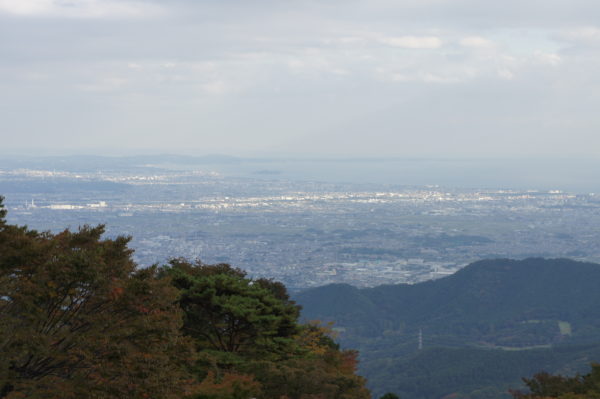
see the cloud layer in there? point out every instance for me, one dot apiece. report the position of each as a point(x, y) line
point(78, 8)
point(377, 77)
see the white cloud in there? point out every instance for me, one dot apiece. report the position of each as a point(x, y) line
point(464, 66)
point(25, 7)
point(109, 84)
point(339, 71)
point(414, 42)
point(216, 87)
point(476, 41)
point(585, 34)
point(424, 76)
point(346, 40)
point(506, 73)
point(314, 63)
point(434, 78)
point(552, 59)
point(78, 8)
point(206, 58)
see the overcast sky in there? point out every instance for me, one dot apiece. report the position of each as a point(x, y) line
point(447, 78)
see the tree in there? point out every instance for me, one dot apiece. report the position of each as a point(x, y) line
point(548, 386)
point(389, 395)
point(228, 385)
point(2, 212)
point(320, 370)
point(225, 311)
point(250, 342)
point(80, 320)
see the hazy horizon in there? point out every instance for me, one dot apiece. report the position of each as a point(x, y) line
point(577, 175)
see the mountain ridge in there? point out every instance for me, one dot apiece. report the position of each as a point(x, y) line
point(520, 310)
point(477, 287)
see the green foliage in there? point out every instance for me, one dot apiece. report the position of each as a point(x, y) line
point(2, 211)
point(330, 375)
point(225, 311)
point(389, 395)
point(79, 320)
point(491, 301)
point(250, 343)
point(227, 385)
point(507, 318)
point(471, 372)
point(546, 386)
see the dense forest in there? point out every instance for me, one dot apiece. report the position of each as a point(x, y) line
point(81, 320)
point(482, 328)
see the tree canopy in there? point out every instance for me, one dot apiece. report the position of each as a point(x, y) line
point(249, 340)
point(548, 386)
point(80, 319)
point(224, 311)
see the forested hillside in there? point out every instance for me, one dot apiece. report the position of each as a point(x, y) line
point(482, 328)
point(79, 319)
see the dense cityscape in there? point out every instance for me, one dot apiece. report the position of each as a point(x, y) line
point(306, 233)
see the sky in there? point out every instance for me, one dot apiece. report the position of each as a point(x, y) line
point(401, 78)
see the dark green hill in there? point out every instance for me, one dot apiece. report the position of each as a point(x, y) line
point(470, 373)
point(493, 309)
